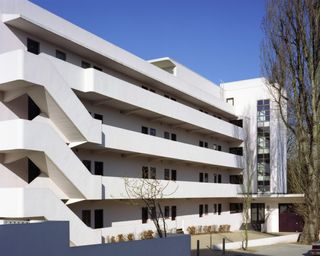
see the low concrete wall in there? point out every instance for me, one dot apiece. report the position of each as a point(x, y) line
point(260, 242)
point(52, 238)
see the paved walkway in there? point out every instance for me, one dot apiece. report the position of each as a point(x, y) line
point(271, 250)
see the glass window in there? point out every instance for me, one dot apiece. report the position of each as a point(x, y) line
point(206, 177)
point(166, 174)
point(33, 46)
point(145, 130)
point(166, 135)
point(173, 212)
point(200, 210)
point(173, 137)
point(153, 131)
point(174, 175)
point(167, 212)
point(206, 209)
point(98, 168)
point(236, 207)
point(61, 55)
point(145, 172)
point(86, 217)
point(153, 173)
point(144, 214)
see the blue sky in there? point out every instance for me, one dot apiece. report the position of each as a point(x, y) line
point(219, 39)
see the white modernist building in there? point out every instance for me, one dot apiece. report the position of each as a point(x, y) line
point(79, 116)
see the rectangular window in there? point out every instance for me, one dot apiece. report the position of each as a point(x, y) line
point(98, 168)
point(201, 177)
point(86, 217)
point(145, 87)
point(174, 175)
point(166, 135)
point(219, 209)
point(236, 207)
point(61, 55)
point(167, 212)
point(152, 90)
point(174, 99)
point(98, 116)
point(200, 210)
point(206, 144)
point(153, 132)
point(201, 143)
point(236, 179)
point(166, 174)
point(206, 177)
point(219, 148)
point(215, 178)
point(173, 137)
point(153, 172)
point(97, 68)
point(98, 218)
point(85, 64)
point(144, 214)
point(145, 130)
point(219, 178)
point(145, 172)
point(87, 164)
point(33, 46)
point(230, 101)
point(236, 151)
point(173, 212)
point(206, 209)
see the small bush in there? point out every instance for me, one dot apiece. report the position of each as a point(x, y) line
point(224, 228)
point(130, 237)
point(121, 238)
point(148, 234)
point(113, 240)
point(191, 230)
point(214, 228)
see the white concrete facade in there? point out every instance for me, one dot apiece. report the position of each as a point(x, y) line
point(79, 115)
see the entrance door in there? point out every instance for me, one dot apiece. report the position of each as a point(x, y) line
point(257, 215)
point(289, 220)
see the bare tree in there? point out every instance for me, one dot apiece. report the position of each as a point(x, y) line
point(151, 192)
point(249, 174)
point(291, 63)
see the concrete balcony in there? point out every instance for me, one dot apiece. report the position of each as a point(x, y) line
point(115, 188)
point(104, 88)
point(138, 143)
point(26, 73)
